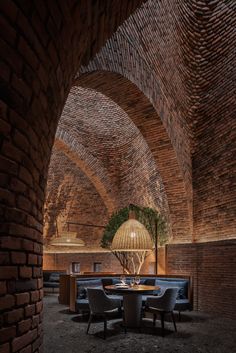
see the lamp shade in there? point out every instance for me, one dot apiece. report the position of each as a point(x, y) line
point(132, 236)
point(67, 239)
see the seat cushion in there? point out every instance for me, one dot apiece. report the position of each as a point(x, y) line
point(54, 277)
point(183, 304)
point(82, 304)
point(116, 296)
point(107, 281)
point(83, 285)
point(181, 284)
point(150, 281)
point(51, 285)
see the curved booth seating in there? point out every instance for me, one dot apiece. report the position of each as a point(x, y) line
point(79, 301)
point(51, 281)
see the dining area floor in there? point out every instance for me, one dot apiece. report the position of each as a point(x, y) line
point(197, 333)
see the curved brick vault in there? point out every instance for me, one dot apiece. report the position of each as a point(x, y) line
point(72, 197)
point(183, 56)
point(99, 137)
point(145, 50)
point(88, 164)
point(144, 116)
point(184, 64)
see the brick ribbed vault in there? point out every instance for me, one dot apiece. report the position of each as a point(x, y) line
point(144, 116)
point(72, 197)
point(88, 164)
point(181, 56)
point(145, 50)
point(101, 139)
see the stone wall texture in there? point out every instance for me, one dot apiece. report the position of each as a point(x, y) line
point(168, 68)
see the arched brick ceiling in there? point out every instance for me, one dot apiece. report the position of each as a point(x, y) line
point(181, 56)
point(103, 141)
point(72, 197)
point(146, 50)
point(144, 116)
point(85, 161)
point(103, 186)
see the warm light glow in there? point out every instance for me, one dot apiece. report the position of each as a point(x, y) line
point(132, 236)
point(67, 239)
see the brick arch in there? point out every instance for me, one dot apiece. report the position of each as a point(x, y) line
point(43, 45)
point(85, 130)
point(89, 167)
point(145, 117)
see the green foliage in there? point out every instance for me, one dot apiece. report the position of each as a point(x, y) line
point(147, 216)
point(114, 223)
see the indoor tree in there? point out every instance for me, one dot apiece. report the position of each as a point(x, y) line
point(132, 261)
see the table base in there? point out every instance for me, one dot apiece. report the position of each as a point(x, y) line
point(132, 309)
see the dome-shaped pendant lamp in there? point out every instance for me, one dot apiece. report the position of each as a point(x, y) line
point(67, 239)
point(132, 236)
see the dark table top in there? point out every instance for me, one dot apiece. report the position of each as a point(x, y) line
point(136, 289)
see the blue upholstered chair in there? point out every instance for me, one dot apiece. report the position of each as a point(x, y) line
point(101, 305)
point(161, 305)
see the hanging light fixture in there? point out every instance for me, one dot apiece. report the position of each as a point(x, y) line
point(67, 239)
point(132, 236)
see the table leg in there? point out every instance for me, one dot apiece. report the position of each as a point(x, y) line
point(132, 309)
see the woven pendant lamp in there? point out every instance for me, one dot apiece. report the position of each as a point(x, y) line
point(67, 239)
point(132, 236)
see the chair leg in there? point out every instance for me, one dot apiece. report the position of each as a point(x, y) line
point(154, 319)
point(105, 327)
point(173, 319)
point(179, 316)
point(89, 322)
point(162, 324)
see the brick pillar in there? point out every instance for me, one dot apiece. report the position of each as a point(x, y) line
point(41, 46)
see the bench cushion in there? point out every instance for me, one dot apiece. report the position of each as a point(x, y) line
point(83, 285)
point(181, 284)
point(54, 277)
point(183, 304)
point(51, 284)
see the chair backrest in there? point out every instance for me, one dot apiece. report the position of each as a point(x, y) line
point(98, 301)
point(167, 301)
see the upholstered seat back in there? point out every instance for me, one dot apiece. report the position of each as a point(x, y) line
point(166, 302)
point(99, 302)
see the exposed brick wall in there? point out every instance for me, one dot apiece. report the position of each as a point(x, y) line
point(115, 157)
point(42, 45)
point(189, 79)
point(144, 116)
point(145, 50)
point(109, 262)
point(71, 197)
point(210, 85)
point(182, 60)
point(212, 266)
point(64, 261)
point(116, 153)
point(215, 180)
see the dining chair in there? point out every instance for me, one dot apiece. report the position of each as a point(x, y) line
point(101, 305)
point(162, 304)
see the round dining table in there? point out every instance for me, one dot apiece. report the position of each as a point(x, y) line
point(132, 301)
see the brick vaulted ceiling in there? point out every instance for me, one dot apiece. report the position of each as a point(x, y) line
point(171, 69)
point(102, 142)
